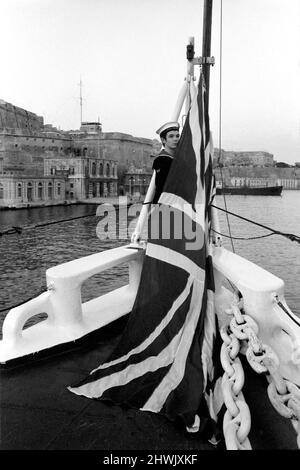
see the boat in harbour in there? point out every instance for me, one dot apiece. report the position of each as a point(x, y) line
point(261, 338)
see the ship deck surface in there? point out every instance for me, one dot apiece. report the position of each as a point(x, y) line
point(39, 413)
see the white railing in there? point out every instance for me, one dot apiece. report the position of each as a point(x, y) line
point(263, 300)
point(68, 318)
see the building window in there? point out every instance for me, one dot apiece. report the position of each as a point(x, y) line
point(101, 169)
point(93, 168)
point(29, 192)
point(19, 190)
point(50, 190)
point(52, 172)
point(107, 169)
point(40, 190)
point(58, 189)
point(1, 191)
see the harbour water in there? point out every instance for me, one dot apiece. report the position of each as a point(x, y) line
point(25, 257)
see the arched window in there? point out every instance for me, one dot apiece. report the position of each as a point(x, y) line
point(19, 190)
point(101, 169)
point(58, 189)
point(29, 191)
point(50, 190)
point(40, 190)
point(107, 169)
point(93, 168)
point(1, 191)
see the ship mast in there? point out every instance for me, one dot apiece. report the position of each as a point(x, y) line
point(206, 63)
point(206, 41)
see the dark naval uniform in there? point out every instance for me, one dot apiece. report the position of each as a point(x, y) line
point(161, 165)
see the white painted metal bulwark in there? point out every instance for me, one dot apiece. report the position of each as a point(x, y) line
point(279, 328)
point(67, 318)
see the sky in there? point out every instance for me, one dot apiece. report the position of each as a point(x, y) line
point(131, 58)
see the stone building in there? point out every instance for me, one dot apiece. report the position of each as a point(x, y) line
point(90, 161)
point(87, 177)
point(136, 181)
point(24, 191)
point(124, 148)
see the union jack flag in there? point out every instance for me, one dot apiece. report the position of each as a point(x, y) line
point(165, 360)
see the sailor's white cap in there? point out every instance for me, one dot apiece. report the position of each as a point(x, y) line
point(168, 126)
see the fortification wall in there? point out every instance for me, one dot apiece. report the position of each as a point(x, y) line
point(14, 117)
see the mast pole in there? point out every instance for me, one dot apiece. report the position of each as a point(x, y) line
point(206, 49)
point(206, 41)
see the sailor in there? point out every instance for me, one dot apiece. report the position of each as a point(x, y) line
point(169, 135)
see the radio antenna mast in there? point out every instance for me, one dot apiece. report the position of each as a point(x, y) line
point(80, 100)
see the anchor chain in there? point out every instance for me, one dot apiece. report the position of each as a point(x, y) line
point(237, 419)
point(283, 394)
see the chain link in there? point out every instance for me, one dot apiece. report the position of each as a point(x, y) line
point(237, 419)
point(237, 429)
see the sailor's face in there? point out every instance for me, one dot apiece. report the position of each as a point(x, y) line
point(172, 139)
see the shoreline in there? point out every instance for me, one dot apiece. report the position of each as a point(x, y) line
point(115, 201)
